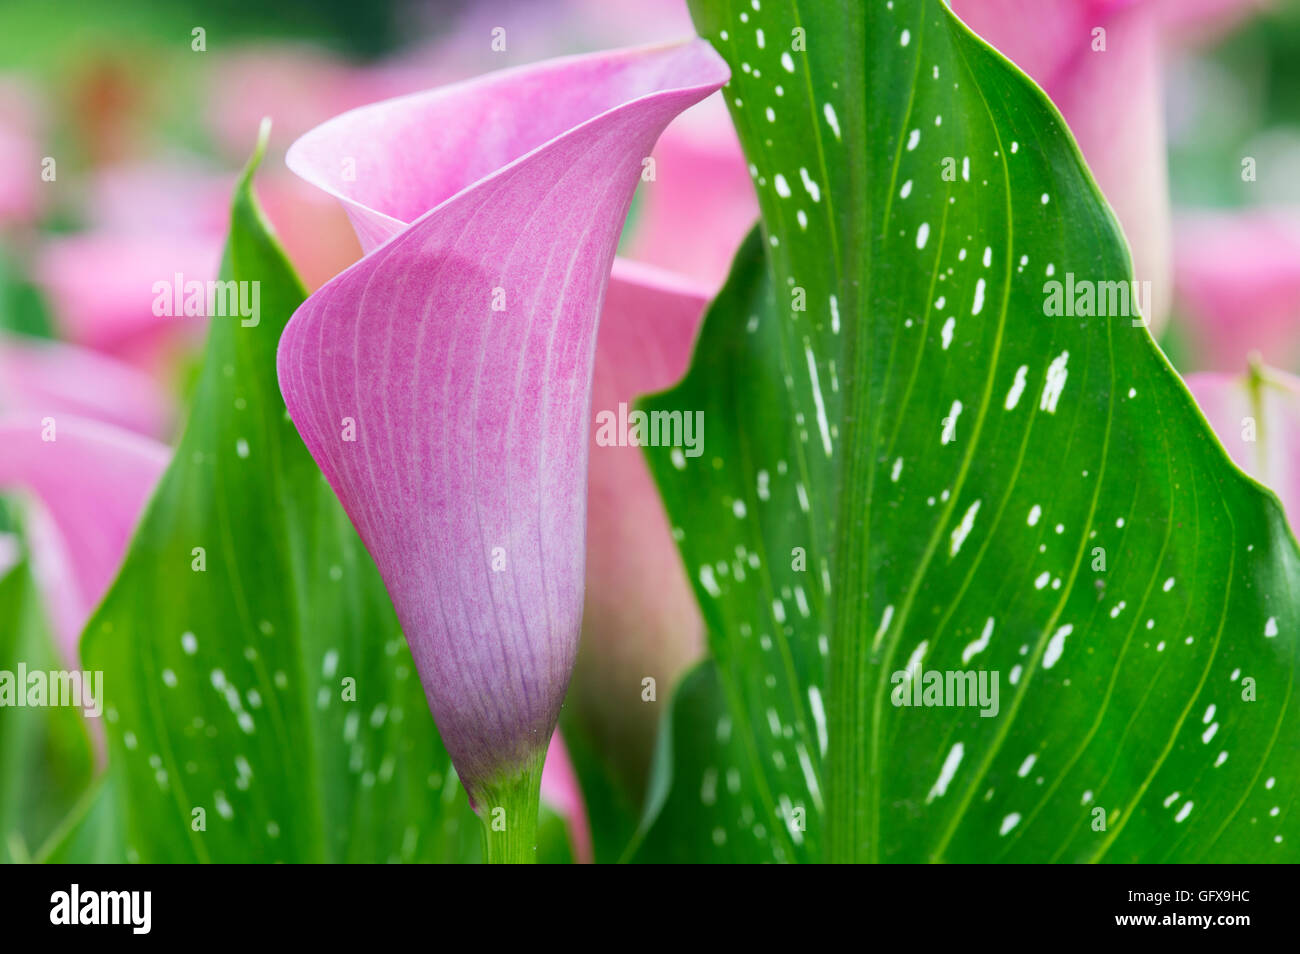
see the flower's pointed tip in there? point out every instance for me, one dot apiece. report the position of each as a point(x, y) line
point(710, 53)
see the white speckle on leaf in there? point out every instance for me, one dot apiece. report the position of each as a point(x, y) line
point(946, 773)
point(709, 581)
point(831, 119)
point(1056, 646)
point(823, 424)
point(1055, 384)
point(885, 620)
point(979, 645)
point(1017, 387)
point(964, 528)
point(813, 189)
point(950, 424)
point(819, 717)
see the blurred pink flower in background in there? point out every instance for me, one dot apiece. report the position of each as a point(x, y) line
point(1257, 419)
point(91, 480)
point(1112, 98)
point(299, 87)
point(159, 197)
point(82, 436)
point(46, 377)
point(148, 222)
point(1238, 283)
point(100, 286)
point(1205, 20)
point(145, 222)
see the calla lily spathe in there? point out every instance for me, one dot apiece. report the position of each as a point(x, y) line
point(443, 382)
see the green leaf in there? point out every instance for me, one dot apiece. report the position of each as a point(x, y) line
point(703, 805)
point(92, 833)
point(230, 688)
point(610, 812)
point(45, 753)
point(953, 465)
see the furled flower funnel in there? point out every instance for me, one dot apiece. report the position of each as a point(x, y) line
point(443, 382)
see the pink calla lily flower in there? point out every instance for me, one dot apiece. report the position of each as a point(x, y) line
point(694, 205)
point(443, 382)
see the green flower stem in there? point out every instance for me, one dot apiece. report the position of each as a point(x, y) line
point(508, 811)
